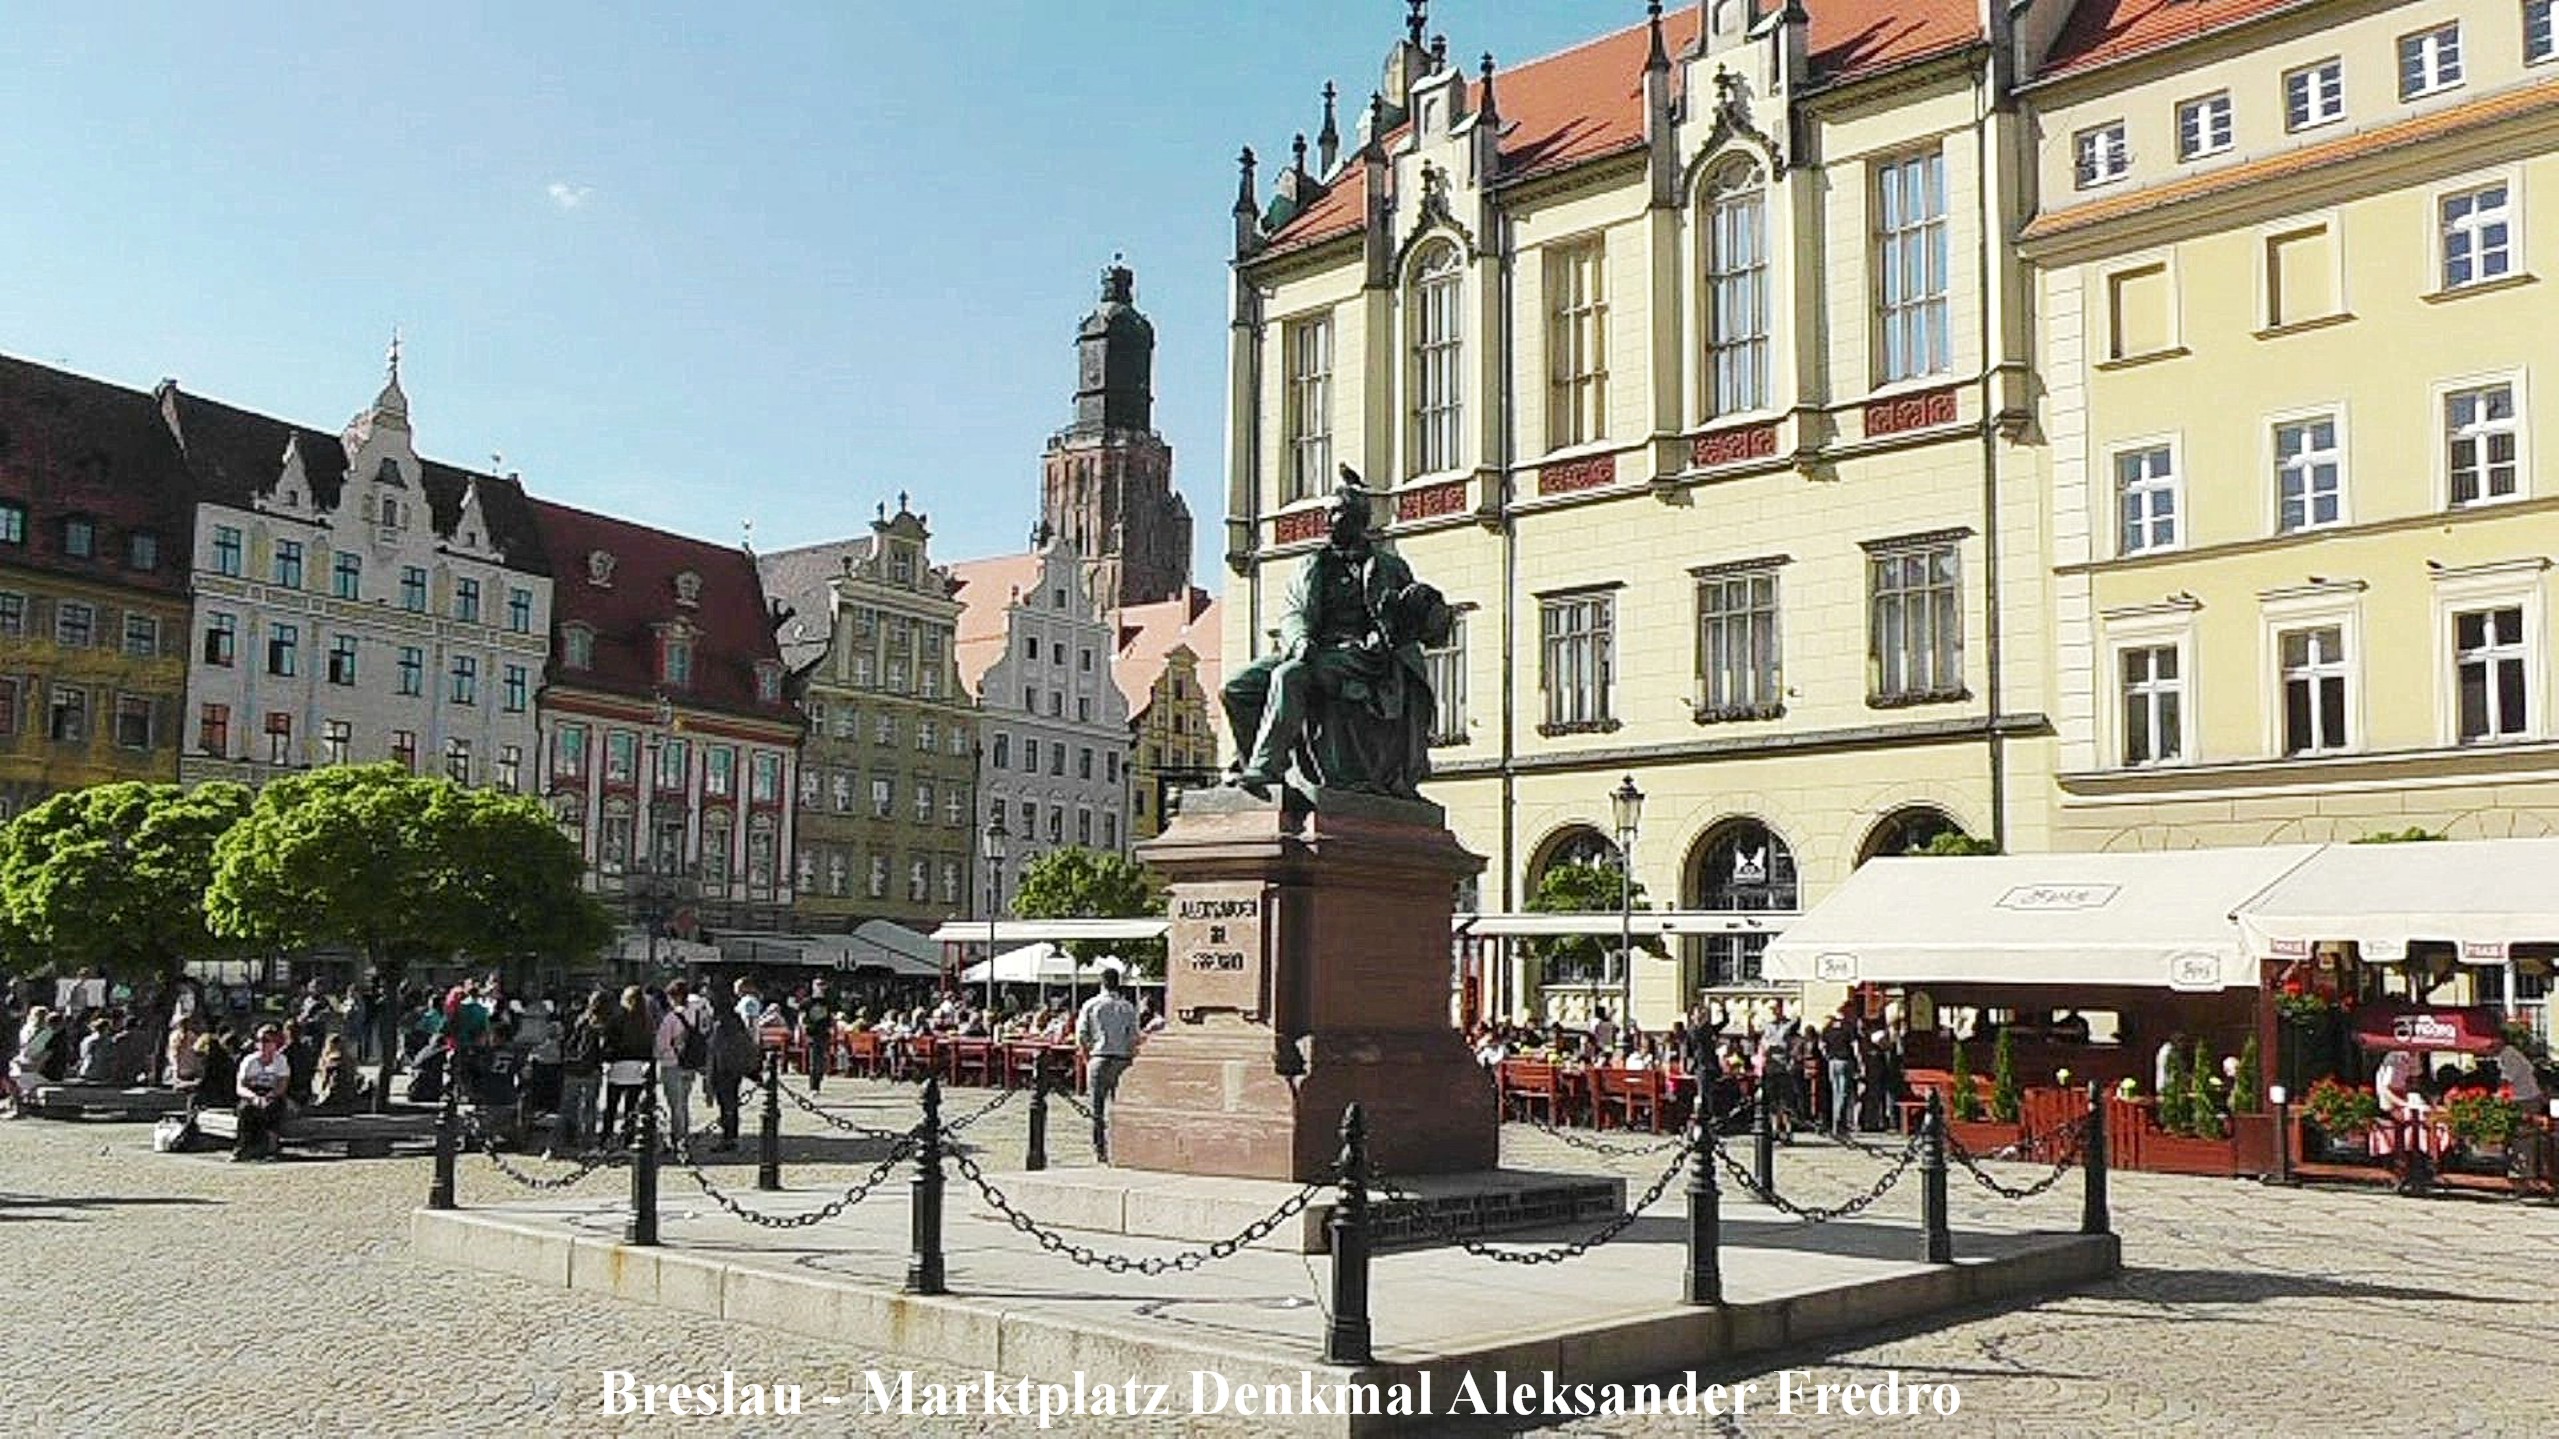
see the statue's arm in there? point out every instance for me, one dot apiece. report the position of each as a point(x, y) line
point(1293, 617)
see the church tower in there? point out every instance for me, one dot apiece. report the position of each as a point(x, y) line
point(1107, 484)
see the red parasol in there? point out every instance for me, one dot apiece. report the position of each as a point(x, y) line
point(2476, 1029)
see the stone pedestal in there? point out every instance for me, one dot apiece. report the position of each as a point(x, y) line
point(1309, 967)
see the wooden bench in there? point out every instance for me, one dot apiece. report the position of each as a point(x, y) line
point(351, 1136)
point(114, 1103)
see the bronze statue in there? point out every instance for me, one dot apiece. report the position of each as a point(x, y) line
point(1345, 702)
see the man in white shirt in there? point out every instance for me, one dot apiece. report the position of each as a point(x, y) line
point(684, 1034)
point(1106, 1029)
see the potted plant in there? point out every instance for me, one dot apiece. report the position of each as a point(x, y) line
point(2486, 1121)
point(2007, 1098)
point(1967, 1101)
point(2204, 1098)
point(1969, 1126)
point(2344, 1114)
point(2174, 1093)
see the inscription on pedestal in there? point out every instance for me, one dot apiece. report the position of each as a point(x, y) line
point(1220, 956)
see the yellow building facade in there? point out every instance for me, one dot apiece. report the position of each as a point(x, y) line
point(1689, 365)
point(2293, 334)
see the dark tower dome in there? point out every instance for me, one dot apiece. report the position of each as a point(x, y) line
point(1115, 384)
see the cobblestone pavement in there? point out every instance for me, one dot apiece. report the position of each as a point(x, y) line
point(157, 1294)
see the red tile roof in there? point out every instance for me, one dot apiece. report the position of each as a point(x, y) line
point(1588, 102)
point(2104, 30)
point(985, 588)
point(1150, 633)
point(70, 445)
point(734, 630)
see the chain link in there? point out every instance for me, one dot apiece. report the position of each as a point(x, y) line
point(1189, 1259)
point(1446, 1232)
point(586, 1163)
point(1815, 1214)
point(861, 1189)
point(1580, 1141)
point(1002, 1098)
point(809, 1106)
point(2074, 1138)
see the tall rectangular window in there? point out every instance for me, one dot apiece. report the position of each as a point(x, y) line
point(1915, 623)
point(621, 756)
point(2429, 61)
point(519, 611)
point(2540, 31)
point(2310, 474)
point(2101, 155)
point(2146, 499)
point(1910, 266)
point(466, 601)
point(284, 648)
point(13, 613)
point(1437, 326)
point(883, 798)
point(221, 640)
point(75, 625)
point(2481, 444)
point(2490, 668)
point(279, 737)
point(2204, 126)
point(413, 589)
point(1738, 658)
point(2314, 689)
point(1576, 345)
point(2315, 94)
point(288, 564)
point(1309, 347)
point(79, 537)
point(1580, 651)
point(346, 575)
point(213, 729)
point(568, 752)
point(133, 722)
point(1737, 295)
point(673, 759)
point(342, 660)
point(2477, 236)
point(226, 551)
point(141, 635)
point(412, 670)
point(519, 686)
point(404, 749)
point(13, 523)
point(2154, 705)
point(67, 720)
point(764, 779)
point(336, 737)
point(510, 775)
point(719, 771)
point(1445, 665)
point(465, 688)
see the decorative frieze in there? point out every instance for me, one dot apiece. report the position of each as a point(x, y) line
point(1589, 473)
point(1925, 410)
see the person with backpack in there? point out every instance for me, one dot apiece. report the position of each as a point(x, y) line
point(582, 1076)
point(734, 1053)
point(683, 1052)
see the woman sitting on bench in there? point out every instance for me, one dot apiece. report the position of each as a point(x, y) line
point(264, 1079)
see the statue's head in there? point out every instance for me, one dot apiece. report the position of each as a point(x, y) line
point(1346, 512)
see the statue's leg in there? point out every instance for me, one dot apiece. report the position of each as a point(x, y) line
point(1283, 716)
point(1244, 695)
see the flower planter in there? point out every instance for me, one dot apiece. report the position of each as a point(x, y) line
point(1982, 1138)
point(2179, 1154)
point(2252, 1143)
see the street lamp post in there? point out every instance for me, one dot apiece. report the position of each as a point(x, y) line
point(991, 846)
point(1628, 804)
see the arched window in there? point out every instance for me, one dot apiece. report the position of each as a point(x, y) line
point(1907, 830)
point(1580, 844)
point(1733, 248)
point(1435, 327)
point(1742, 866)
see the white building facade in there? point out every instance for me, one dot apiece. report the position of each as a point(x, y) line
point(1053, 753)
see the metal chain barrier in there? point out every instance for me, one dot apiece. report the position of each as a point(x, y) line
point(1002, 1098)
point(828, 1117)
point(2074, 1138)
point(860, 1190)
point(1074, 1101)
point(585, 1163)
point(1446, 1232)
point(1577, 1140)
point(1816, 1214)
point(1055, 1243)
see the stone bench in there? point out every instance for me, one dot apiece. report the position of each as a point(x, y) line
point(352, 1136)
point(115, 1103)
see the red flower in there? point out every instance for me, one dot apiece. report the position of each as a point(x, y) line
point(2506, 1092)
point(2294, 989)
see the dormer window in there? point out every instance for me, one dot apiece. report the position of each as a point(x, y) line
point(677, 668)
point(79, 537)
point(389, 472)
point(599, 569)
point(768, 682)
point(142, 551)
point(902, 565)
point(688, 589)
point(577, 647)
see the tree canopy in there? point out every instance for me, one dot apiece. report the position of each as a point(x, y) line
point(1080, 883)
point(114, 877)
point(1584, 887)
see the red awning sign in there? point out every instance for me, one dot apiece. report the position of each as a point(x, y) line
point(2472, 1030)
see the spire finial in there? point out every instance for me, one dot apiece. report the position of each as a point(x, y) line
point(1245, 204)
point(746, 533)
point(1297, 149)
point(1660, 58)
point(901, 502)
point(394, 357)
point(1418, 21)
point(1439, 53)
point(1328, 140)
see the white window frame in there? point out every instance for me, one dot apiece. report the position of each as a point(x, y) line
point(1738, 626)
point(2327, 604)
point(1945, 636)
point(2169, 626)
point(2540, 31)
point(2173, 483)
point(2436, 52)
point(1446, 666)
point(1593, 672)
point(2274, 470)
point(1734, 267)
point(1306, 350)
point(2513, 583)
point(2196, 117)
point(1435, 332)
point(2158, 696)
point(2473, 227)
point(2520, 426)
point(1576, 279)
point(2317, 673)
point(2312, 115)
point(1913, 331)
point(2100, 155)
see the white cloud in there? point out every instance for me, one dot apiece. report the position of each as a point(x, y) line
point(568, 196)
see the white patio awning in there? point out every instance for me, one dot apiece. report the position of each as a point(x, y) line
point(1606, 923)
point(1041, 963)
point(2482, 895)
point(2156, 920)
point(1058, 931)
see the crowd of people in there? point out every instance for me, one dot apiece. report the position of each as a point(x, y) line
point(1843, 1075)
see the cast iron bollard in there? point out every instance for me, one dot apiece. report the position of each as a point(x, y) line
point(768, 1156)
point(2093, 1218)
point(1346, 1336)
point(1940, 1240)
point(1763, 1143)
point(1705, 1219)
point(924, 1252)
point(2283, 1137)
point(448, 1144)
point(1038, 1157)
point(643, 1228)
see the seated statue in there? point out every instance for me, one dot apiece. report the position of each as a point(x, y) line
point(1345, 701)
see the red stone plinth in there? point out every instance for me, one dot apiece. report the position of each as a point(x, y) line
point(1308, 969)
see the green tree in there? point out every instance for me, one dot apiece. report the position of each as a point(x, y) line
point(2248, 1088)
point(2203, 1096)
point(1584, 887)
point(2413, 834)
point(1080, 883)
point(113, 877)
point(2007, 1098)
point(2175, 1093)
point(1956, 843)
point(506, 882)
point(1960, 1079)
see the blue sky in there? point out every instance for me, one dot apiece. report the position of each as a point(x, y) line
point(686, 266)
